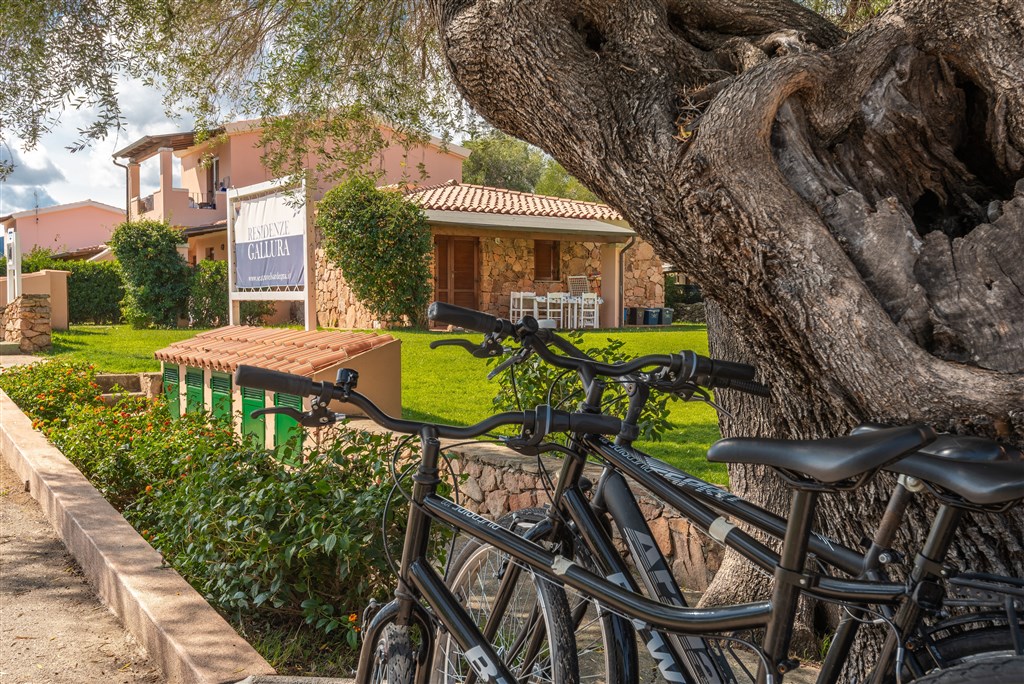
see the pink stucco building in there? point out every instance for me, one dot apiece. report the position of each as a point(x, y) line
point(232, 157)
point(64, 227)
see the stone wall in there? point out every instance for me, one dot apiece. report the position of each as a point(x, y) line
point(644, 280)
point(26, 321)
point(499, 480)
point(336, 306)
point(506, 266)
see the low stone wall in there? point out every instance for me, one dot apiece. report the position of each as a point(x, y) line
point(690, 313)
point(114, 386)
point(26, 321)
point(499, 480)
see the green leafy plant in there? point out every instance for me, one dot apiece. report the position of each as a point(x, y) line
point(300, 541)
point(46, 390)
point(255, 312)
point(382, 243)
point(208, 294)
point(208, 298)
point(156, 276)
point(536, 382)
point(305, 540)
point(95, 291)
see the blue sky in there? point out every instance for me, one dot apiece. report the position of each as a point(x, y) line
point(50, 174)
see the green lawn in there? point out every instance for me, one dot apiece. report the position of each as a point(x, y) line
point(115, 348)
point(444, 385)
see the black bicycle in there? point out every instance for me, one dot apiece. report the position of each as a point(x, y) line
point(964, 473)
point(540, 646)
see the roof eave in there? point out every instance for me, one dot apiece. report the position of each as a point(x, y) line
point(536, 224)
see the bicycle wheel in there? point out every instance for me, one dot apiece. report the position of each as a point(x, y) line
point(534, 635)
point(601, 638)
point(395, 661)
point(970, 644)
point(999, 670)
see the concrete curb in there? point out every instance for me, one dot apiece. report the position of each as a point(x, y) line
point(179, 629)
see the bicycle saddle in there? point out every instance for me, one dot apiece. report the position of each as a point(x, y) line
point(981, 471)
point(825, 460)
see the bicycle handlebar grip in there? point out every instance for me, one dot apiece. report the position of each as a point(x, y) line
point(594, 424)
point(751, 387)
point(470, 319)
point(730, 370)
point(274, 381)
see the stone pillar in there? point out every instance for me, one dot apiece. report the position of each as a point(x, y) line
point(26, 321)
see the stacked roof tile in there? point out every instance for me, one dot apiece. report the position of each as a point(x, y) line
point(289, 351)
point(455, 196)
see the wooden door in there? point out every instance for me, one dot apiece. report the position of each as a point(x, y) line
point(457, 270)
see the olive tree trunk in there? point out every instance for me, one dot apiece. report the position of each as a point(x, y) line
point(852, 205)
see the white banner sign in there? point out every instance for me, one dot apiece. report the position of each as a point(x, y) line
point(270, 234)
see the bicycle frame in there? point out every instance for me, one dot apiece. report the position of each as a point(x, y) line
point(418, 580)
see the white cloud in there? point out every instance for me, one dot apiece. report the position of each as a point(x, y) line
point(31, 168)
point(15, 198)
point(58, 176)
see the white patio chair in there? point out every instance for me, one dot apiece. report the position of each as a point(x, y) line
point(521, 304)
point(589, 310)
point(554, 308)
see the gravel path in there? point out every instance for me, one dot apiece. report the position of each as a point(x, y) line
point(52, 626)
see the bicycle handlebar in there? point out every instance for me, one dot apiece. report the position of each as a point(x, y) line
point(470, 319)
point(684, 367)
point(544, 418)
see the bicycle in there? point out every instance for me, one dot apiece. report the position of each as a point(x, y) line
point(973, 476)
point(419, 582)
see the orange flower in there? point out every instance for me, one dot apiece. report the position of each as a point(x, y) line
point(353, 617)
point(149, 488)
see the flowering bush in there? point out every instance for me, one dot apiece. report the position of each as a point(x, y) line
point(255, 536)
point(47, 389)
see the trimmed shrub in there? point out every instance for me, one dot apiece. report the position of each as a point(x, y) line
point(156, 276)
point(95, 291)
point(208, 294)
point(208, 298)
point(382, 244)
point(39, 259)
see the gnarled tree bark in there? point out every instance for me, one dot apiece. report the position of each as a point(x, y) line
point(853, 205)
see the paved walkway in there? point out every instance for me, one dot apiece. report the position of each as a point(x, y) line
point(52, 626)
point(8, 360)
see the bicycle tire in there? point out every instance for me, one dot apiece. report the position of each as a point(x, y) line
point(1005, 670)
point(395, 657)
point(537, 615)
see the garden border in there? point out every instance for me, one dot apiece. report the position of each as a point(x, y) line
point(188, 639)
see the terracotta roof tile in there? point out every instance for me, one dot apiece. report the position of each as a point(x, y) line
point(454, 196)
point(290, 351)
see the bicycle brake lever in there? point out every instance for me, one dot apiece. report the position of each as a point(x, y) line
point(518, 357)
point(283, 410)
point(314, 418)
point(490, 347)
point(465, 344)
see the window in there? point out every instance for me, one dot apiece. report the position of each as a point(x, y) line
point(546, 260)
